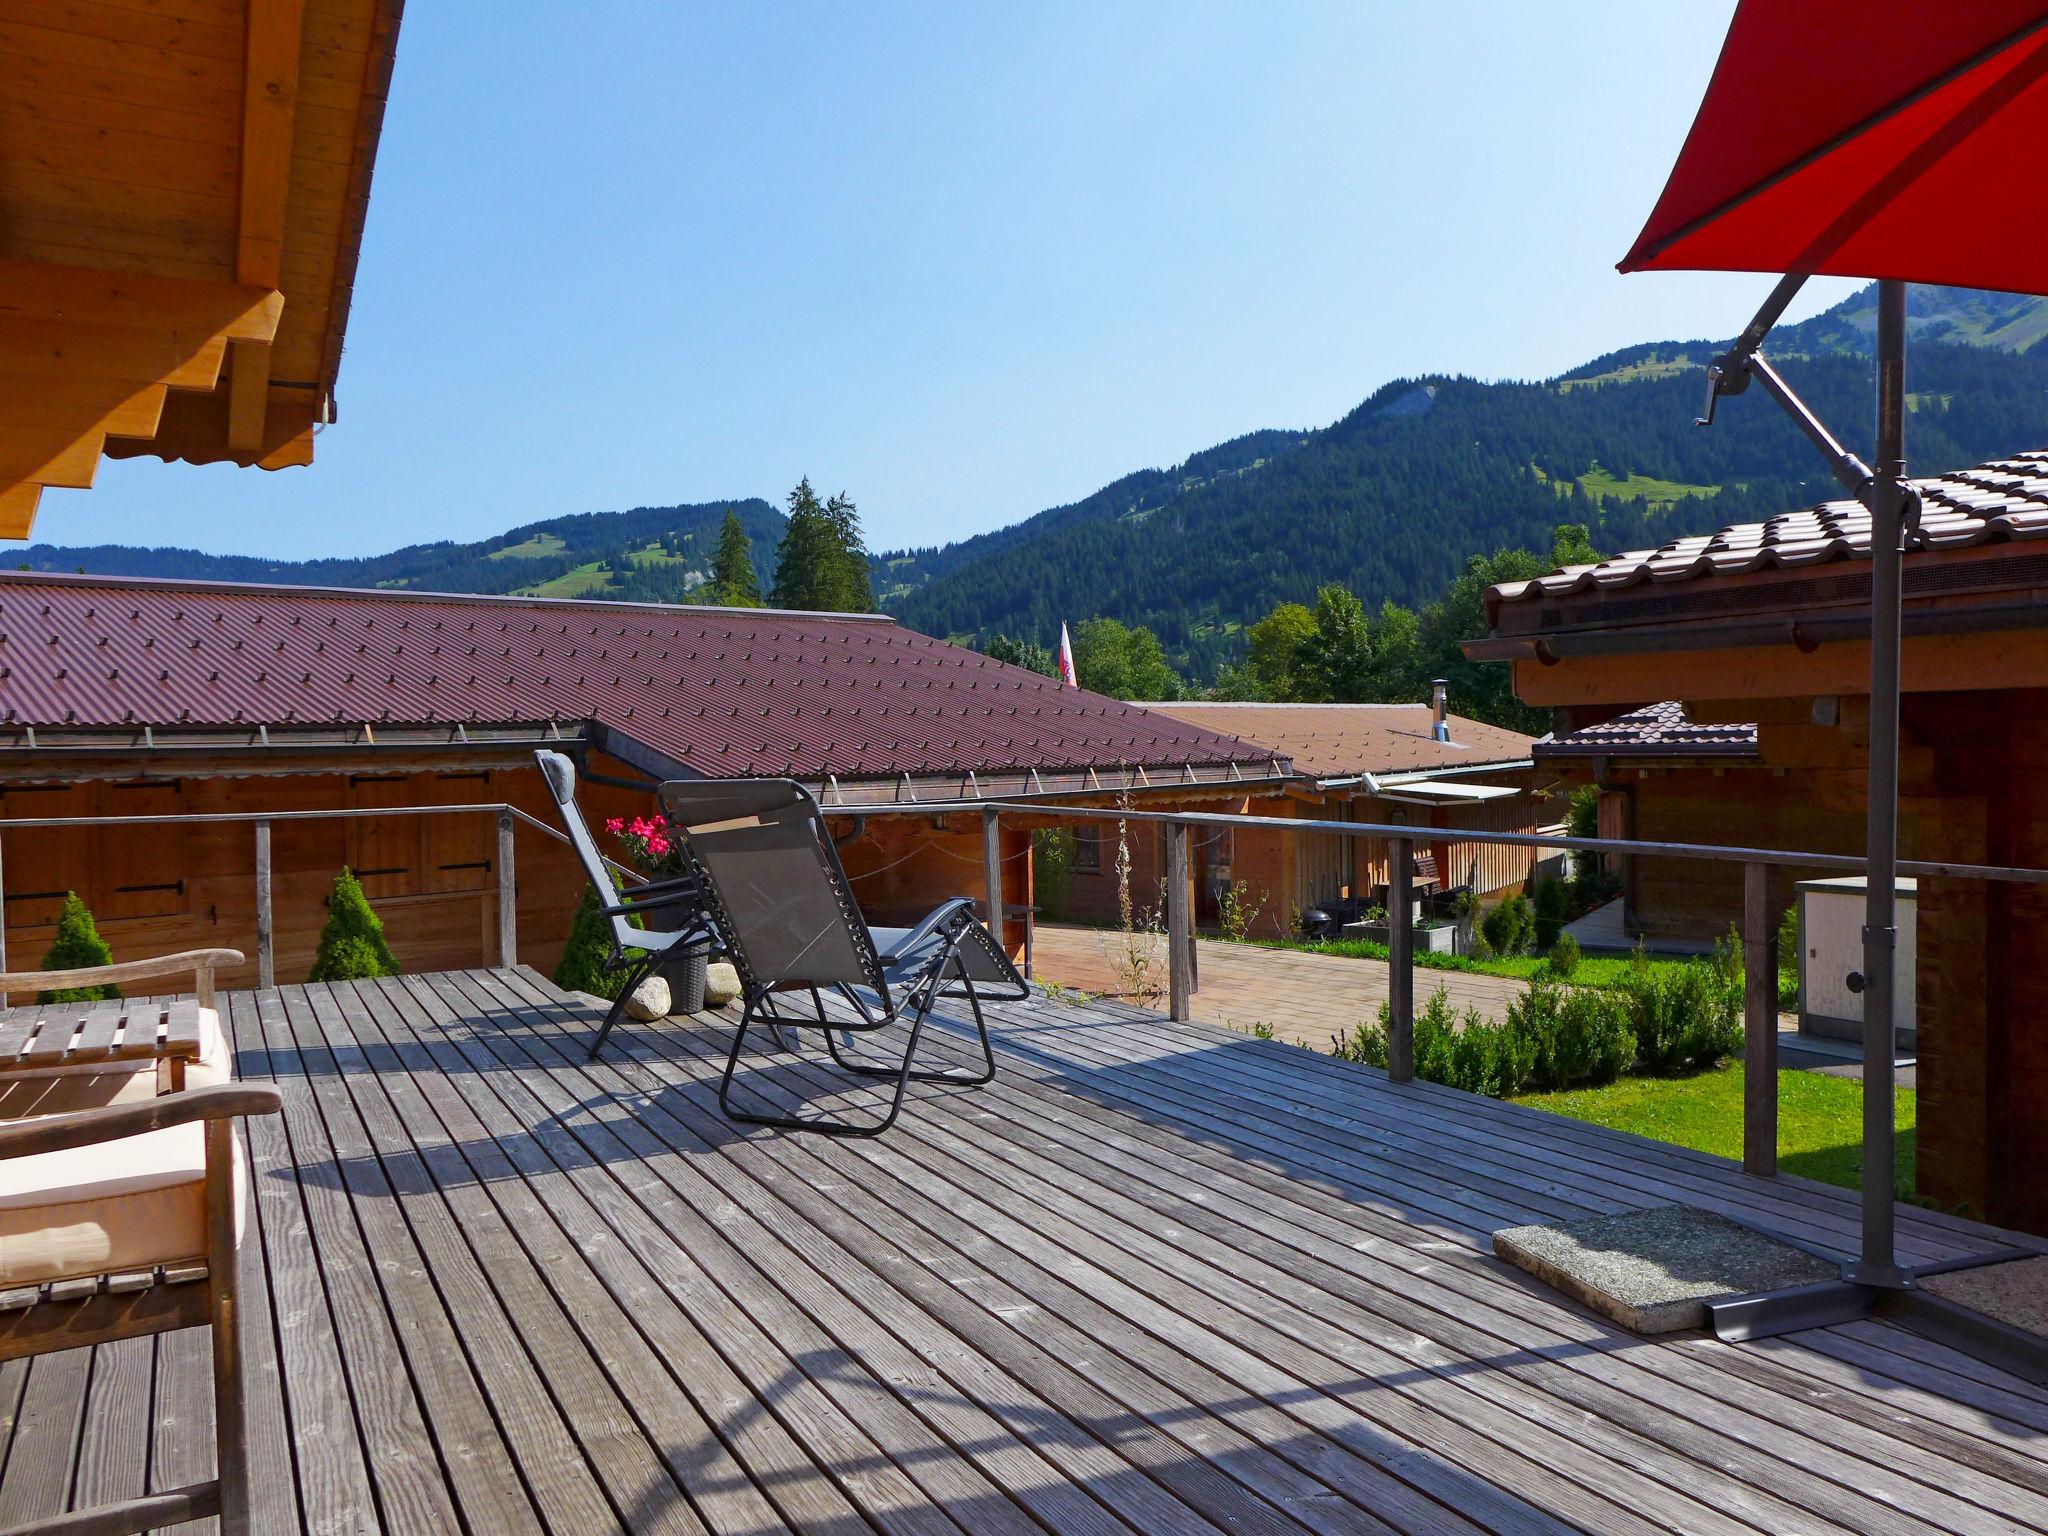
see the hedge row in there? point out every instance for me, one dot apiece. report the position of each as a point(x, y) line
point(1661, 1021)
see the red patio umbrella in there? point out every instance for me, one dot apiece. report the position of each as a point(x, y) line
point(1867, 138)
point(1902, 140)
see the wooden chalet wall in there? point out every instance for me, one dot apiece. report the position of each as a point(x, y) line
point(1295, 870)
point(432, 879)
point(1692, 901)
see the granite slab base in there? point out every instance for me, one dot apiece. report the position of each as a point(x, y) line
point(1655, 1270)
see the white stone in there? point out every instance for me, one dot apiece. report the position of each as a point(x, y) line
point(721, 983)
point(649, 1000)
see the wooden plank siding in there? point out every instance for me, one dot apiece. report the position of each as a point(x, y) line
point(156, 889)
point(1154, 1278)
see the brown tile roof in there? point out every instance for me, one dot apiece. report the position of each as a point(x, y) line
point(2006, 499)
point(1338, 741)
point(1656, 730)
point(719, 691)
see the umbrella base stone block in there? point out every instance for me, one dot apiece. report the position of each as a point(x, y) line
point(1655, 1270)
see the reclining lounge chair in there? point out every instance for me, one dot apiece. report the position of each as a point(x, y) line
point(774, 886)
point(638, 950)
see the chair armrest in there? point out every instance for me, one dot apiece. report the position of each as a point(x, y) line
point(200, 963)
point(655, 887)
point(933, 921)
point(57, 1133)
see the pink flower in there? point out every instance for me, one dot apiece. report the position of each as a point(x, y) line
point(657, 845)
point(660, 820)
point(616, 825)
point(640, 826)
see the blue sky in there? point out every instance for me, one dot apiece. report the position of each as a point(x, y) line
point(964, 262)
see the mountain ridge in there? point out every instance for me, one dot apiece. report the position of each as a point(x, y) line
point(1391, 499)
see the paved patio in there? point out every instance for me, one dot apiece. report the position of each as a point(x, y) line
point(1303, 997)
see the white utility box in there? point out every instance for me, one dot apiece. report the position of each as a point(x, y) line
point(1831, 946)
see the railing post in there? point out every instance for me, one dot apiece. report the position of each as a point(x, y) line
point(508, 895)
point(1759, 1024)
point(1400, 962)
point(1179, 932)
point(992, 873)
point(266, 959)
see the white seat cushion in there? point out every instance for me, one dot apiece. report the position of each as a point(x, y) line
point(109, 1208)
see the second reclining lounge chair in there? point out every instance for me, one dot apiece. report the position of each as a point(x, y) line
point(772, 883)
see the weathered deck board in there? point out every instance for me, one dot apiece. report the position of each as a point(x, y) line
point(1154, 1278)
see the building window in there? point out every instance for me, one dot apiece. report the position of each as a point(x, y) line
point(1088, 850)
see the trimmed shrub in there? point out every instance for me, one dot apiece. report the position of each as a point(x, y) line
point(78, 945)
point(1573, 1035)
point(1509, 926)
point(1470, 1053)
point(1686, 1017)
point(1052, 870)
point(1553, 1037)
point(1789, 942)
point(1552, 909)
point(352, 944)
point(1563, 958)
point(583, 966)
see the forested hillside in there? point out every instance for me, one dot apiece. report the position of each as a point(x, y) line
point(1390, 502)
point(650, 554)
point(1394, 498)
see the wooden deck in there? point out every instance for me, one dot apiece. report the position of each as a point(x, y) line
point(1154, 1279)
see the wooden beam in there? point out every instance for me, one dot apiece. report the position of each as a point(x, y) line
point(171, 306)
point(18, 510)
point(270, 98)
point(248, 394)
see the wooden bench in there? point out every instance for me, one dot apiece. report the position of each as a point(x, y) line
point(122, 1220)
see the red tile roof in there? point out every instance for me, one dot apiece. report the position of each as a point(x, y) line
point(1337, 741)
point(1656, 730)
point(721, 692)
point(2006, 499)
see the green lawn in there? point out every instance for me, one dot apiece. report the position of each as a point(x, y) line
point(1820, 1119)
point(1600, 971)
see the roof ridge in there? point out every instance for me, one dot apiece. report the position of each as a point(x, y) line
point(410, 594)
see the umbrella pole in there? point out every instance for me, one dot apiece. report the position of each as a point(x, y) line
point(1887, 502)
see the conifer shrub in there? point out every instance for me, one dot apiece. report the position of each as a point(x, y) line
point(1553, 907)
point(1563, 958)
point(584, 966)
point(1553, 1036)
point(352, 943)
point(78, 945)
point(1509, 926)
point(1686, 1017)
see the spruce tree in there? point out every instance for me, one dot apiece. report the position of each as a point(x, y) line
point(352, 944)
point(733, 582)
point(853, 592)
point(78, 945)
point(806, 562)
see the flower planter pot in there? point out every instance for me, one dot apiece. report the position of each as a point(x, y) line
point(1437, 941)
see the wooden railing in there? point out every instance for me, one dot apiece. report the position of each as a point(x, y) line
point(1758, 927)
point(261, 822)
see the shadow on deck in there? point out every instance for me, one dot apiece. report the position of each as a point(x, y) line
point(1154, 1278)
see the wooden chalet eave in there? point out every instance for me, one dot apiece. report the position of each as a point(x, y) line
point(1930, 663)
point(98, 361)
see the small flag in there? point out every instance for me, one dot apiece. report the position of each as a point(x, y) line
point(1067, 659)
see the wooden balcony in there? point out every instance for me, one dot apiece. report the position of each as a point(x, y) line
point(1157, 1277)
